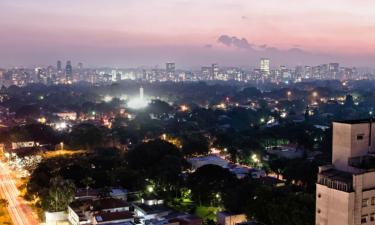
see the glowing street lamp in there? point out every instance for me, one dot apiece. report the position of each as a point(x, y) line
point(184, 108)
point(150, 188)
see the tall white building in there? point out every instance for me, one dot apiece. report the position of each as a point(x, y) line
point(265, 67)
point(345, 190)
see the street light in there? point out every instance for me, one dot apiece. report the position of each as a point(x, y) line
point(62, 145)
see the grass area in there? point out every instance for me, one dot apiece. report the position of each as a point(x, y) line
point(207, 212)
point(4, 216)
point(57, 153)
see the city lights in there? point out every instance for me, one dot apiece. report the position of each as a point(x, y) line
point(108, 98)
point(184, 108)
point(138, 102)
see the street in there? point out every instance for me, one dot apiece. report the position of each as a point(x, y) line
point(19, 211)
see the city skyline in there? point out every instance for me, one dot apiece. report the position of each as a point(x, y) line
point(190, 33)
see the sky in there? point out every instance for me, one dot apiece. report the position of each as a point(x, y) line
point(131, 33)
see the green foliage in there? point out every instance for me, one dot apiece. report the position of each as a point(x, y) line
point(86, 136)
point(159, 161)
point(60, 195)
point(193, 145)
point(208, 183)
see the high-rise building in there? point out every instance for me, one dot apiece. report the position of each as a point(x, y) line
point(69, 72)
point(214, 71)
point(170, 69)
point(334, 69)
point(345, 190)
point(58, 66)
point(265, 67)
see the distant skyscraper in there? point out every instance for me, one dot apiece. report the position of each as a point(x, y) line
point(80, 66)
point(265, 67)
point(69, 72)
point(170, 69)
point(59, 67)
point(334, 69)
point(214, 71)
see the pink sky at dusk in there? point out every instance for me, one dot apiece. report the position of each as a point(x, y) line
point(139, 32)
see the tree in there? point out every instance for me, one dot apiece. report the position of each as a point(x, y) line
point(193, 145)
point(209, 182)
point(88, 181)
point(86, 136)
point(159, 161)
point(60, 194)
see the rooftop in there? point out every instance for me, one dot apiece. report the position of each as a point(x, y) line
point(151, 209)
point(357, 121)
point(113, 216)
point(338, 175)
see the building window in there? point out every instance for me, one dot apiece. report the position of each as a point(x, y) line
point(360, 136)
point(365, 202)
point(319, 195)
point(364, 219)
point(318, 211)
point(372, 217)
point(373, 201)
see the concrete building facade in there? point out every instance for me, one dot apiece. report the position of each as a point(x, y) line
point(345, 190)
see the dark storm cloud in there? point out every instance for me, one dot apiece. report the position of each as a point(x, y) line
point(234, 41)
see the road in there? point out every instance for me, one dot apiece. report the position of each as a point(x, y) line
point(19, 211)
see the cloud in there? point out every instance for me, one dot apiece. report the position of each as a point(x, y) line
point(244, 17)
point(208, 46)
point(234, 41)
point(262, 46)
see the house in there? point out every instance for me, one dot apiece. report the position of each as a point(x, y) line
point(113, 218)
point(228, 218)
point(83, 211)
point(83, 193)
point(146, 212)
point(250, 223)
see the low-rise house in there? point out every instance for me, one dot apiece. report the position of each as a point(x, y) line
point(146, 212)
point(83, 211)
point(228, 218)
point(118, 193)
point(113, 218)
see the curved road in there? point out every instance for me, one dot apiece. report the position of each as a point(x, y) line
point(19, 211)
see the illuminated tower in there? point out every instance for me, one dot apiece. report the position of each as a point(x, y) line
point(69, 72)
point(265, 68)
point(215, 71)
point(59, 68)
point(170, 69)
point(141, 93)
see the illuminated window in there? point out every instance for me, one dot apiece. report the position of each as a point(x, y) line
point(365, 202)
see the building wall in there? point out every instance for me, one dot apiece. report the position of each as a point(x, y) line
point(350, 140)
point(334, 207)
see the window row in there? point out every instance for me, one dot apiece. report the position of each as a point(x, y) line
point(366, 202)
point(366, 218)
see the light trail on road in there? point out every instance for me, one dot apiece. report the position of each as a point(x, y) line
point(20, 212)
